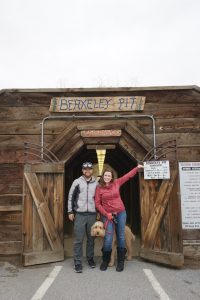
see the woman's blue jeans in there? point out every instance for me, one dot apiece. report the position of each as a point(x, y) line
point(120, 231)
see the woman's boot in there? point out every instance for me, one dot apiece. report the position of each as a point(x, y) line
point(120, 259)
point(106, 260)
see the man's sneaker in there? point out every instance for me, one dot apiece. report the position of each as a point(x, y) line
point(91, 263)
point(78, 268)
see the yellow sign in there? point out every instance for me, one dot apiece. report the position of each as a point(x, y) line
point(97, 104)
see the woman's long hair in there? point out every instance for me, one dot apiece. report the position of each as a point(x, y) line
point(101, 180)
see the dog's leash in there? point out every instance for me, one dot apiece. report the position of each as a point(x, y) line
point(106, 225)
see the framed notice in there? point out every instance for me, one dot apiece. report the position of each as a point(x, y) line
point(189, 173)
point(156, 169)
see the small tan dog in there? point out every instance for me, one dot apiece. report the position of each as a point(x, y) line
point(98, 230)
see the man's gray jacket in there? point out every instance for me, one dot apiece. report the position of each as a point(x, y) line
point(85, 192)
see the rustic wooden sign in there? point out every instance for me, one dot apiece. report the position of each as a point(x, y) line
point(97, 104)
point(101, 133)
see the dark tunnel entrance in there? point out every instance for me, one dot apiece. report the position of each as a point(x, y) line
point(121, 162)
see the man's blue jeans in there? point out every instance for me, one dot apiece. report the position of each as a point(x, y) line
point(120, 231)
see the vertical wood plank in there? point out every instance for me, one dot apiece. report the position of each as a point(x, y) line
point(48, 190)
point(58, 203)
point(160, 237)
point(27, 220)
point(38, 232)
point(132, 202)
point(175, 225)
point(144, 206)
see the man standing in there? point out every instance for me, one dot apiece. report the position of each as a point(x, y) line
point(81, 210)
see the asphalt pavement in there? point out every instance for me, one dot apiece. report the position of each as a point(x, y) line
point(139, 280)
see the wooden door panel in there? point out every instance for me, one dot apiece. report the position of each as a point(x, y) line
point(158, 210)
point(43, 213)
point(160, 235)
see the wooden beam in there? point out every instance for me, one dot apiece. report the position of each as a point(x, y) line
point(58, 203)
point(67, 155)
point(139, 136)
point(144, 203)
point(101, 140)
point(27, 224)
point(62, 138)
point(10, 195)
point(131, 147)
point(96, 147)
point(11, 218)
point(10, 232)
point(101, 125)
point(44, 168)
point(43, 211)
point(11, 208)
point(10, 248)
point(36, 258)
point(167, 258)
point(100, 89)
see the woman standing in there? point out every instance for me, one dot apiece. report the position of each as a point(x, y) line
point(109, 203)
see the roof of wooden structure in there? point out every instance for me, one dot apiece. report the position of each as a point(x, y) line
point(108, 89)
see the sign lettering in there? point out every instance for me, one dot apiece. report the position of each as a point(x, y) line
point(98, 104)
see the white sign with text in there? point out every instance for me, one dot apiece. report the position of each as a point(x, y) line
point(190, 194)
point(156, 169)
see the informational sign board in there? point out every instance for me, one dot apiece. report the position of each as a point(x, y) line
point(190, 194)
point(97, 104)
point(156, 169)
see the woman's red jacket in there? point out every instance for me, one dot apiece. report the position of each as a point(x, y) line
point(108, 199)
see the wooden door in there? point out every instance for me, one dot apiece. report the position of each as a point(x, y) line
point(161, 231)
point(43, 213)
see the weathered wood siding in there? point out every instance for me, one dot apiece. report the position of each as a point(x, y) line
point(176, 112)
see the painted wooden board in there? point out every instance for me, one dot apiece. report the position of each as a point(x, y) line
point(97, 104)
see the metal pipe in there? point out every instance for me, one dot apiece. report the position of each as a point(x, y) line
point(73, 117)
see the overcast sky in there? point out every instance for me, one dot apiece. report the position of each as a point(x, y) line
point(94, 43)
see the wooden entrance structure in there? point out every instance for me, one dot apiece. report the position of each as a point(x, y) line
point(43, 206)
point(175, 110)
